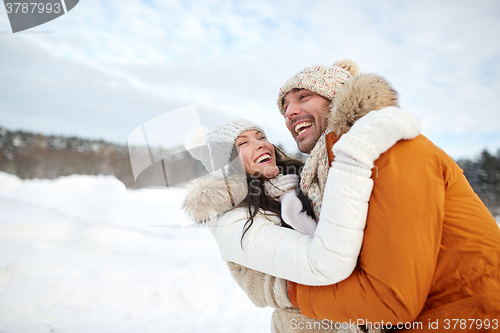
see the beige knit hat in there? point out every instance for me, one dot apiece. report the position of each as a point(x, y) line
point(323, 80)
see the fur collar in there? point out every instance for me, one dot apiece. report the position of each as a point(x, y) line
point(359, 95)
point(210, 197)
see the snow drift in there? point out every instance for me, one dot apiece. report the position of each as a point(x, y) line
point(83, 254)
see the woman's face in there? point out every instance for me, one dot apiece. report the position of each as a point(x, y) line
point(257, 154)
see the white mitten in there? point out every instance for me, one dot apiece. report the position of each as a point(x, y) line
point(375, 133)
point(291, 207)
point(346, 159)
point(276, 187)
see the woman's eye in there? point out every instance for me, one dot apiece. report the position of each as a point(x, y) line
point(241, 143)
point(262, 138)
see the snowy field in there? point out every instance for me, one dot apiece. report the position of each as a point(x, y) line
point(83, 254)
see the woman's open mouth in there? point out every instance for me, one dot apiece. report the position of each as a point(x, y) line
point(264, 158)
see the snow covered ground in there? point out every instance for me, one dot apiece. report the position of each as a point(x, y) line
point(83, 254)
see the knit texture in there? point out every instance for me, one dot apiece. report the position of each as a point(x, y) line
point(277, 187)
point(375, 133)
point(217, 148)
point(346, 159)
point(323, 80)
point(315, 173)
point(283, 189)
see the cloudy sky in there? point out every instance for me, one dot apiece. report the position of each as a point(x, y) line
point(106, 67)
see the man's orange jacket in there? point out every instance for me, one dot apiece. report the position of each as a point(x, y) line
point(431, 249)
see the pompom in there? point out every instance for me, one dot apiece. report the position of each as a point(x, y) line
point(348, 65)
point(196, 139)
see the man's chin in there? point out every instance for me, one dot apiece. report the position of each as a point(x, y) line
point(308, 141)
point(306, 145)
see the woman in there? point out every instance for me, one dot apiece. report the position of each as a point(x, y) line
point(243, 211)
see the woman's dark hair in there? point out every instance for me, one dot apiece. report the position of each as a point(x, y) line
point(257, 199)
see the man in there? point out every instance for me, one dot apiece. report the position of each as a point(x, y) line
point(431, 250)
point(308, 128)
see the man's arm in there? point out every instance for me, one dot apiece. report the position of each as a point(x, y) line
point(401, 244)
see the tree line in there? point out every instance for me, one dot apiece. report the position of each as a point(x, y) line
point(30, 155)
point(483, 174)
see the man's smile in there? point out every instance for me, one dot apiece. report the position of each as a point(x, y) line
point(302, 127)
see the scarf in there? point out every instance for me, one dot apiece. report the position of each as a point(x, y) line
point(315, 173)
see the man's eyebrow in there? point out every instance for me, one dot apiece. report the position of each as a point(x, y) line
point(293, 90)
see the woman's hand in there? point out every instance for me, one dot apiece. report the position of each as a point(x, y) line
point(375, 133)
point(291, 213)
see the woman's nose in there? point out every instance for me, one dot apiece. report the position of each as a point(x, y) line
point(259, 144)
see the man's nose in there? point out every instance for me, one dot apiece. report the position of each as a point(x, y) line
point(292, 110)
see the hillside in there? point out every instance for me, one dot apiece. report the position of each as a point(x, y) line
point(29, 155)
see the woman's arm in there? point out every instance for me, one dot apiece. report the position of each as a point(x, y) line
point(327, 258)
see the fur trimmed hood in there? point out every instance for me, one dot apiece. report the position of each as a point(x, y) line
point(358, 96)
point(210, 197)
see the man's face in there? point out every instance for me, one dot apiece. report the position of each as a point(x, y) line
point(305, 113)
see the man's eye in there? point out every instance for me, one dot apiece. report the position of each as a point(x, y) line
point(304, 96)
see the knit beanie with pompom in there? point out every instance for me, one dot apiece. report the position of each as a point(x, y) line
point(323, 80)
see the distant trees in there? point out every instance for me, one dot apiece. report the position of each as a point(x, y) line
point(483, 174)
point(30, 155)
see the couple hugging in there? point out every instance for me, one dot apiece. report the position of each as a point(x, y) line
point(378, 230)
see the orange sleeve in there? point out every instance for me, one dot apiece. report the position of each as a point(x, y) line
point(400, 247)
point(292, 293)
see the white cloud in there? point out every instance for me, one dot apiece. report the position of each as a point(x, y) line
point(230, 58)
